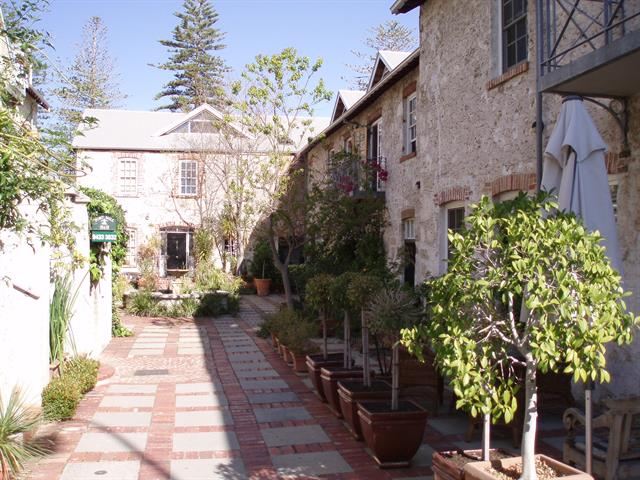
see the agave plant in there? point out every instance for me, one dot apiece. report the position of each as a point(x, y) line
point(16, 418)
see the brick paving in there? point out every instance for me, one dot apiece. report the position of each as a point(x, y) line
point(207, 399)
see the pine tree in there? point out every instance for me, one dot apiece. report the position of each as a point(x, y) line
point(90, 81)
point(390, 35)
point(198, 72)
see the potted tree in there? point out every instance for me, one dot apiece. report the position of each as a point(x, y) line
point(358, 293)
point(393, 430)
point(262, 268)
point(527, 287)
point(299, 343)
point(318, 297)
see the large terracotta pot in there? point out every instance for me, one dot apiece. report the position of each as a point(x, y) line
point(274, 342)
point(262, 286)
point(315, 363)
point(299, 362)
point(285, 352)
point(330, 377)
point(446, 469)
point(352, 391)
point(394, 437)
point(476, 470)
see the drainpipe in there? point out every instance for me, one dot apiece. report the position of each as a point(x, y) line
point(539, 73)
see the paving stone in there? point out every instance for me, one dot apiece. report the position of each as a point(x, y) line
point(422, 458)
point(201, 387)
point(263, 384)
point(235, 350)
point(248, 357)
point(277, 397)
point(132, 388)
point(256, 373)
point(205, 442)
point(191, 351)
point(140, 344)
point(128, 401)
point(121, 419)
point(309, 384)
point(203, 418)
point(208, 469)
point(279, 437)
point(450, 425)
point(112, 442)
point(140, 352)
point(310, 464)
point(127, 470)
point(267, 415)
point(206, 400)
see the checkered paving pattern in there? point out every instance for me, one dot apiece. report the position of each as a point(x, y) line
point(207, 399)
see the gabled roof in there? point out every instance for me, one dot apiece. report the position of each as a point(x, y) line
point(404, 6)
point(386, 61)
point(345, 100)
point(155, 131)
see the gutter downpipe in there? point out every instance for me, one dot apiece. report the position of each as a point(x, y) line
point(539, 73)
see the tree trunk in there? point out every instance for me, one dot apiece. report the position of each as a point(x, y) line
point(486, 436)
point(283, 267)
point(395, 376)
point(346, 334)
point(366, 377)
point(530, 422)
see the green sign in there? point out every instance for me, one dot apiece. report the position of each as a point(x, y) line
point(104, 223)
point(109, 237)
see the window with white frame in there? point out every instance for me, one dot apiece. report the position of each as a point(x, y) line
point(506, 196)
point(348, 145)
point(188, 177)
point(514, 33)
point(128, 176)
point(132, 248)
point(452, 221)
point(408, 229)
point(410, 124)
point(375, 156)
point(613, 188)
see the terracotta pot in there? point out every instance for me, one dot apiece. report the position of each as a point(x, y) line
point(274, 342)
point(299, 362)
point(330, 377)
point(394, 437)
point(262, 286)
point(286, 356)
point(352, 391)
point(315, 363)
point(476, 470)
point(446, 469)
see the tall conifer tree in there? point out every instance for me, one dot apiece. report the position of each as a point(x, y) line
point(198, 71)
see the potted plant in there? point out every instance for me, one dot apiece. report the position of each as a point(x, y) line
point(527, 286)
point(358, 293)
point(318, 297)
point(393, 430)
point(262, 268)
point(299, 343)
point(17, 424)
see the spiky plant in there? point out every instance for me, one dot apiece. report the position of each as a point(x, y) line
point(16, 418)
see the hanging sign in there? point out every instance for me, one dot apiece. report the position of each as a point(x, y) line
point(103, 229)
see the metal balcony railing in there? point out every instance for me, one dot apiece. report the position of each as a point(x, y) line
point(577, 37)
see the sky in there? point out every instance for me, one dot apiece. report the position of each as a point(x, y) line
point(328, 29)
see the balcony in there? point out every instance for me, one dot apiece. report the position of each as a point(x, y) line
point(589, 47)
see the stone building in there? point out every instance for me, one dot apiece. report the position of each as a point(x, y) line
point(167, 170)
point(482, 115)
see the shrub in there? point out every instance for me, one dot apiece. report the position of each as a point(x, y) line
point(211, 305)
point(142, 303)
point(60, 398)
point(297, 335)
point(262, 262)
point(83, 371)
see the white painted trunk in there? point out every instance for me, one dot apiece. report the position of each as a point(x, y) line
point(366, 377)
point(347, 340)
point(325, 346)
point(395, 376)
point(530, 422)
point(486, 437)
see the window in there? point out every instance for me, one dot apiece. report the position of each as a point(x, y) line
point(128, 176)
point(202, 123)
point(452, 219)
point(514, 33)
point(506, 196)
point(348, 145)
point(410, 121)
point(409, 260)
point(375, 156)
point(188, 177)
point(132, 248)
point(613, 188)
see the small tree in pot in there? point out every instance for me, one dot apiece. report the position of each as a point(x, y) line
point(262, 268)
point(393, 430)
point(480, 329)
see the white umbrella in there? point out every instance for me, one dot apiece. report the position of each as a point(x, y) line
point(574, 168)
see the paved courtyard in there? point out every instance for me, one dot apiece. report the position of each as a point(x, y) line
point(207, 399)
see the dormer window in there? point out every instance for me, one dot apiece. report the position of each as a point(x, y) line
point(200, 124)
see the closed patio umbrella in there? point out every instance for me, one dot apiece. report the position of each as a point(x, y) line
point(574, 168)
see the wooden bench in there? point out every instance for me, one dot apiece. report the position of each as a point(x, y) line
point(616, 440)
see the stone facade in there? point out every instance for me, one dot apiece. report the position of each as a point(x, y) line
point(477, 136)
